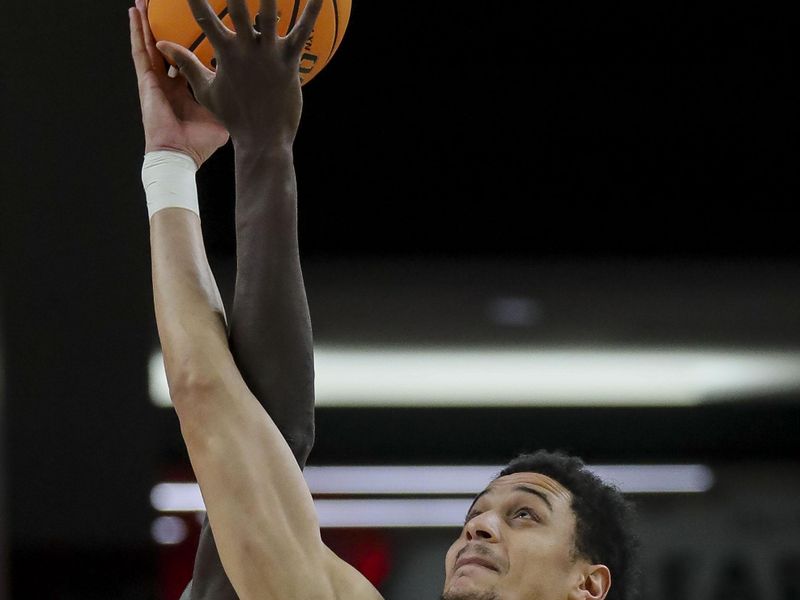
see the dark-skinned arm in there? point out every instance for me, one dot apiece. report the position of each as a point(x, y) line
point(270, 328)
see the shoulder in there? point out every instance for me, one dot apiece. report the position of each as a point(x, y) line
point(347, 582)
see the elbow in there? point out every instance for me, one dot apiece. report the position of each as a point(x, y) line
point(195, 398)
point(190, 389)
point(301, 441)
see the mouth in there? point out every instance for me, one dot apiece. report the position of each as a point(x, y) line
point(475, 561)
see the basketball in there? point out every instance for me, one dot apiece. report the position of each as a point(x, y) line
point(172, 20)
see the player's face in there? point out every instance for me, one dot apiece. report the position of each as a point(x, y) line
point(517, 543)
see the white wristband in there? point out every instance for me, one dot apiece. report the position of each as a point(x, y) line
point(168, 179)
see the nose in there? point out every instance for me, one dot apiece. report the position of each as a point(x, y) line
point(484, 526)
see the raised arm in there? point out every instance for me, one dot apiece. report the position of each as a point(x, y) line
point(269, 328)
point(258, 504)
point(257, 501)
point(269, 325)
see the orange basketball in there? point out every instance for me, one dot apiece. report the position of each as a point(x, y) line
point(172, 20)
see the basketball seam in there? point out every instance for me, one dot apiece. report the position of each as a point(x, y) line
point(200, 39)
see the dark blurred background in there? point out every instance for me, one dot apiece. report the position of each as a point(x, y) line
point(511, 176)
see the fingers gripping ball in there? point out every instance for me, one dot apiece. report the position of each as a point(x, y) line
point(172, 20)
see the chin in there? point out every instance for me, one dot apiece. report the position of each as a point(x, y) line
point(468, 590)
point(470, 595)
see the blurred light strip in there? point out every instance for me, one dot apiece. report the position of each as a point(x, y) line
point(502, 377)
point(177, 497)
point(406, 480)
point(157, 381)
point(384, 377)
point(437, 512)
point(469, 480)
point(439, 480)
point(657, 479)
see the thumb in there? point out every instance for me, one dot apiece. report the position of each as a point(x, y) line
point(196, 73)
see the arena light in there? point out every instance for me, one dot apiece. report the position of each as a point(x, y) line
point(657, 479)
point(399, 480)
point(177, 497)
point(531, 377)
point(454, 484)
point(404, 512)
point(157, 381)
point(169, 530)
point(469, 480)
point(396, 377)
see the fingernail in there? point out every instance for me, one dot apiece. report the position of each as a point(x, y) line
point(172, 72)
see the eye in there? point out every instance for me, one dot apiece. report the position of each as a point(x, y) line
point(527, 513)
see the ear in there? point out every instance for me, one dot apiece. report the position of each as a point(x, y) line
point(593, 584)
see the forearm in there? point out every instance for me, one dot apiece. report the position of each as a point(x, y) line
point(189, 311)
point(270, 327)
point(270, 333)
point(257, 500)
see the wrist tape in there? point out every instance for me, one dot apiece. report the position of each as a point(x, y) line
point(168, 179)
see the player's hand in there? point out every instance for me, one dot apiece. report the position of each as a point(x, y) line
point(255, 91)
point(172, 119)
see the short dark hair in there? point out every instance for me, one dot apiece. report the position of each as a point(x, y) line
point(603, 517)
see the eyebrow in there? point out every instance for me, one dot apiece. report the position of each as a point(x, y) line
point(518, 488)
point(530, 490)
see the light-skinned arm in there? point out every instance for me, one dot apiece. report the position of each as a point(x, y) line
point(257, 500)
point(269, 328)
